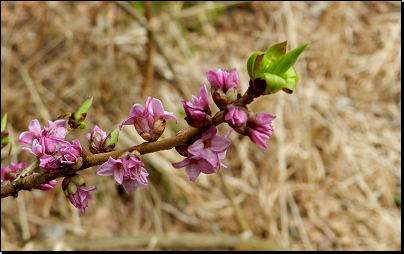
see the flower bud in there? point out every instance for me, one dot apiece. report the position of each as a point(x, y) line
point(235, 116)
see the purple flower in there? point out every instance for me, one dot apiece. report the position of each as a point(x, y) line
point(11, 172)
point(113, 167)
point(149, 121)
point(195, 166)
point(46, 187)
point(81, 197)
point(55, 130)
point(27, 137)
point(74, 187)
point(48, 162)
point(236, 116)
point(133, 181)
point(205, 154)
point(222, 80)
point(127, 172)
point(6, 174)
point(209, 146)
point(96, 138)
point(224, 86)
point(260, 129)
point(70, 154)
point(198, 111)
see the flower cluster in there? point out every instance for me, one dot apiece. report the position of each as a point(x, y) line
point(127, 171)
point(205, 154)
point(50, 147)
point(10, 173)
point(75, 189)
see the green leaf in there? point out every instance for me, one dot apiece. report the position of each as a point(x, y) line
point(274, 52)
point(6, 141)
point(82, 126)
point(114, 137)
point(3, 122)
point(83, 108)
point(251, 64)
point(274, 83)
point(283, 63)
point(291, 80)
point(65, 115)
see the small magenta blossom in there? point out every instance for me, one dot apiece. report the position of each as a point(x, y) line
point(224, 86)
point(135, 180)
point(46, 187)
point(96, 138)
point(42, 145)
point(235, 116)
point(260, 129)
point(198, 111)
point(55, 130)
point(194, 166)
point(149, 121)
point(127, 171)
point(9, 173)
point(205, 154)
point(71, 154)
point(222, 80)
point(209, 146)
point(48, 162)
point(81, 197)
point(27, 137)
point(75, 189)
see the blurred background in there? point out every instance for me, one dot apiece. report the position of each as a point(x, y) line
point(329, 180)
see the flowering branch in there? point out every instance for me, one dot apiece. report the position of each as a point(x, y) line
point(269, 72)
point(30, 182)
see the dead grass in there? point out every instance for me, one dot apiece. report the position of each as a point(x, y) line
point(332, 170)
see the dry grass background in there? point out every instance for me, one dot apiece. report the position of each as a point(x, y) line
point(330, 179)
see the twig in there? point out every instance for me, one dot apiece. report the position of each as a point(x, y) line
point(183, 137)
point(29, 182)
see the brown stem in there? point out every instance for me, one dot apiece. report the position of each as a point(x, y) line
point(183, 137)
point(29, 182)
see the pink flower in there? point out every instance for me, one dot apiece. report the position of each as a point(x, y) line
point(81, 197)
point(236, 116)
point(195, 166)
point(198, 111)
point(96, 138)
point(209, 146)
point(223, 80)
point(149, 121)
point(6, 174)
point(127, 172)
point(135, 179)
point(34, 132)
point(205, 154)
point(46, 187)
point(71, 153)
point(260, 129)
point(48, 162)
point(11, 172)
point(55, 130)
point(113, 167)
